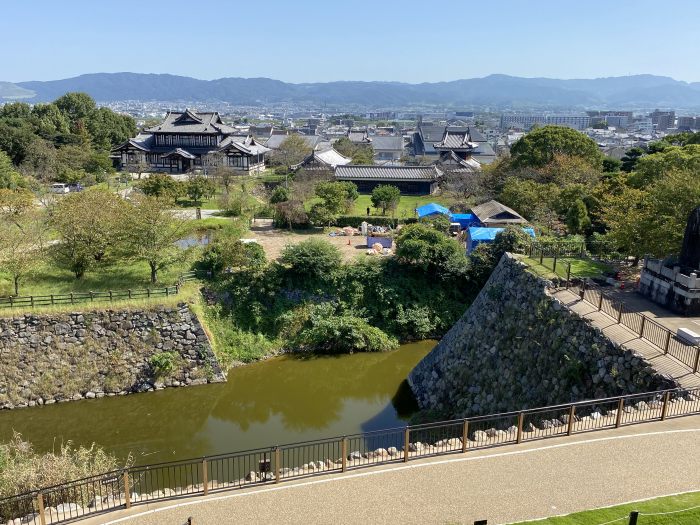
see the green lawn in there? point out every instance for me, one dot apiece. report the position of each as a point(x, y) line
point(646, 508)
point(49, 279)
point(405, 210)
point(580, 267)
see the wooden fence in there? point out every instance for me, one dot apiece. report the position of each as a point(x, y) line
point(33, 301)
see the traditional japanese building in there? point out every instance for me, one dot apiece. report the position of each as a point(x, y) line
point(455, 151)
point(325, 160)
point(186, 141)
point(411, 180)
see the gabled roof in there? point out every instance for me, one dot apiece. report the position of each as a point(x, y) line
point(178, 152)
point(450, 159)
point(328, 157)
point(456, 139)
point(247, 145)
point(494, 212)
point(431, 209)
point(143, 142)
point(190, 122)
point(387, 173)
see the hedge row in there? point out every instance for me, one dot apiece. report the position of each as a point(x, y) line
point(356, 221)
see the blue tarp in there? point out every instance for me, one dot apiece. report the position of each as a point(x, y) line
point(476, 236)
point(464, 219)
point(431, 209)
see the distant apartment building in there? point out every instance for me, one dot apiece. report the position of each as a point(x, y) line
point(617, 119)
point(663, 120)
point(688, 123)
point(528, 121)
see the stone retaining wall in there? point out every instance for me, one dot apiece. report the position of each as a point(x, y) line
point(53, 358)
point(518, 347)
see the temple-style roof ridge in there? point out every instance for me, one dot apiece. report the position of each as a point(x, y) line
point(188, 116)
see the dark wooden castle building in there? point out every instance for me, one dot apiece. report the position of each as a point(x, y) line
point(186, 141)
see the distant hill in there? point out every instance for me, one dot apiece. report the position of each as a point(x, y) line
point(10, 91)
point(493, 90)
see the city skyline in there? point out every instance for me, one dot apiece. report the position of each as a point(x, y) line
point(321, 42)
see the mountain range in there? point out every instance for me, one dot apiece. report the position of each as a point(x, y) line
point(634, 91)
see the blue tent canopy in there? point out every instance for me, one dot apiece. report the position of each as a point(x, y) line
point(464, 219)
point(478, 235)
point(431, 209)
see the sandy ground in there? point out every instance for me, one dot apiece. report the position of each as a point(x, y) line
point(274, 240)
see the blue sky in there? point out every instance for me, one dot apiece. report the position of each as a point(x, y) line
point(313, 40)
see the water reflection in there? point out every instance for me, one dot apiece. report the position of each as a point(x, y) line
point(281, 400)
point(196, 239)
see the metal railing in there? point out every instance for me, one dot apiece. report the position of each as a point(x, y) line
point(138, 485)
point(646, 327)
point(33, 301)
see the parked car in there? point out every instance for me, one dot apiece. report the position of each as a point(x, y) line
point(59, 187)
point(75, 187)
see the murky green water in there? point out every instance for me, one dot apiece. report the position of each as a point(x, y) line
point(277, 401)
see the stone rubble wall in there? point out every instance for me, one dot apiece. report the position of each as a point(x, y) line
point(49, 358)
point(517, 347)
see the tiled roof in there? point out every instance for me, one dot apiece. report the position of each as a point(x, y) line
point(495, 212)
point(179, 152)
point(328, 157)
point(358, 137)
point(247, 145)
point(456, 139)
point(387, 143)
point(189, 122)
point(397, 173)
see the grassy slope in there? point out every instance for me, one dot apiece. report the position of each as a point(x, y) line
point(579, 267)
point(667, 504)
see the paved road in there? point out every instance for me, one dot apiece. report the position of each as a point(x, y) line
point(664, 364)
point(526, 481)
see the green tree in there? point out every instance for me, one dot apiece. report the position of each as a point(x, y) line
point(338, 197)
point(512, 240)
point(291, 213)
point(386, 197)
point(359, 153)
point(22, 246)
point(530, 198)
point(152, 232)
point(312, 258)
point(160, 185)
point(199, 187)
point(630, 159)
point(279, 194)
point(577, 220)
point(77, 107)
point(653, 167)
point(292, 151)
point(425, 247)
point(9, 178)
point(538, 148)
point(90, 229)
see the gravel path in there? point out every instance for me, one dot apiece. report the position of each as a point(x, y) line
point(506, 484)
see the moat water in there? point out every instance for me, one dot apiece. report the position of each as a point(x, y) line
point(280, 400)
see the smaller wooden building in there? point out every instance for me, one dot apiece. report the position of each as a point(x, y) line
point(411, 180)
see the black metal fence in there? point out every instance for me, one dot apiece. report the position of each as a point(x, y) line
point(646, 327)
point(138, 485)
point(33, 301)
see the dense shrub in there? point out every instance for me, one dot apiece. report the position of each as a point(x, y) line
point(313, 258)
point(328, 333)
point(22, 469)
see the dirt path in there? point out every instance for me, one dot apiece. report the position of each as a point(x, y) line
point(274, 240)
